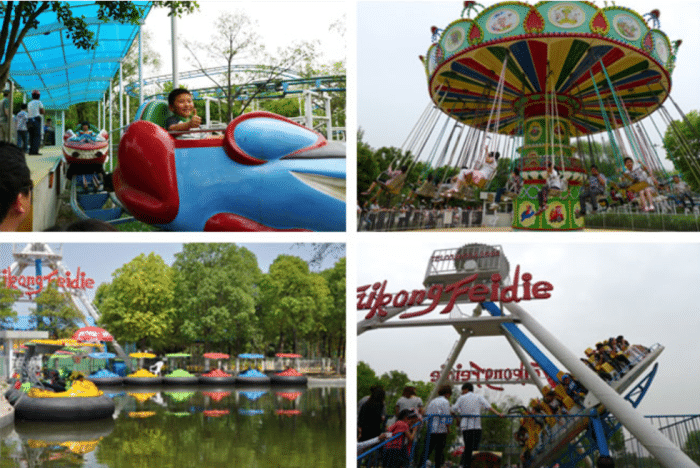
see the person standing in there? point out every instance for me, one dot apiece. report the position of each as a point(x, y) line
point(35, 109)
point(5, 114)
point(468, 407)
point(438, 412)
point(594, 188)
point(22, 132)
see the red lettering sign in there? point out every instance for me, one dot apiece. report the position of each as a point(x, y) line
point(34, 284)
point(478, 375)
point(375, 298)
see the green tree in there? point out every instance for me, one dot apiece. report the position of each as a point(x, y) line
point(692, 446)
point(294, 303)
point(215, 296)
point(234, 38)
point(137, 306)
point(55, 312)
point(8, 297)
point(682, 144)
point(393, 383)
point(366, 378)
point(367, 166)
point(334, 339)
point(20, 17)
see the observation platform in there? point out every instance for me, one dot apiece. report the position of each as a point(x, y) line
point(452, 265)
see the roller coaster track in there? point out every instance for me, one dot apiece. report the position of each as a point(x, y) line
point(286, 82)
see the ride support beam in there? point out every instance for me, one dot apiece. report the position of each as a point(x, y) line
point(451, 359)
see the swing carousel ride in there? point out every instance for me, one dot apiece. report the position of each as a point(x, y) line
point(525, 80)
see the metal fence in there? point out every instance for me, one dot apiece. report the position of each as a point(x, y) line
point(682, 430)
point(412, 219)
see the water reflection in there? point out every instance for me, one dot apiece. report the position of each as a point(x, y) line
point(163, 426)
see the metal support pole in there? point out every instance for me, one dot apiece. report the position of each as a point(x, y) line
point(121, 98)
point(173, 40)
point(450, 362)
point(659, 446)
point(140, 67)
point(308, 111)
point(329, 117)
point(207, 112)
point(111, 159)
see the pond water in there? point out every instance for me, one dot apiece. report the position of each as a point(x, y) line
point(165, 427)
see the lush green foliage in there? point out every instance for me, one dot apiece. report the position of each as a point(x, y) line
point(216, 298)
point(7, 300)
point(138, 305)
point(682, 143)
point(55, 312)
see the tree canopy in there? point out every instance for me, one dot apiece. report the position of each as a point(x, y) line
point(215, 295)
point(7, 300)
point(294, 303)
point(682, 143)
point(137, 306)
point(55, 312)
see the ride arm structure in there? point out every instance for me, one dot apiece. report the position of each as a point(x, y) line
point(602, 398)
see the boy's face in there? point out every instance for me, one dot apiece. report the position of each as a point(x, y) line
point(183, 105)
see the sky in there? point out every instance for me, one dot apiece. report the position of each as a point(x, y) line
point(644, 290)
point(280, 24)
point(393, 89)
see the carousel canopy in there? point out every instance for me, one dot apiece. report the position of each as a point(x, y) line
point(583, 58)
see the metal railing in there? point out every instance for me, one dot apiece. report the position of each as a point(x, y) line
point(408, 220)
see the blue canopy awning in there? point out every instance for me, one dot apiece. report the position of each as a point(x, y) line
point(64, 74)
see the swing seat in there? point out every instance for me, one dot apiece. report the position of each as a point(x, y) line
point(427, 190)
point(638, 186)
point(394, 186)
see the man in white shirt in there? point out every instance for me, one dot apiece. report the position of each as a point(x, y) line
point(468, 407)
point(439, 418)
point(35, 109)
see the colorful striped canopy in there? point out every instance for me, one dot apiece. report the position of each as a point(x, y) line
point(562, 48)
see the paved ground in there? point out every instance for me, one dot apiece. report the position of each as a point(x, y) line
point(7, 412)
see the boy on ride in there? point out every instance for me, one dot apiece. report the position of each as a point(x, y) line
point(185, 116)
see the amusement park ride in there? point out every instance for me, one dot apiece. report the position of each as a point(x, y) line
point(478, 274)
point(261, 172)
point(41, 257)
point(542, 75)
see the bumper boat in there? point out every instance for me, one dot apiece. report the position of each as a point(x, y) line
point(81, 402)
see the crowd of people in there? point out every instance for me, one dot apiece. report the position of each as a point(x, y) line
point(401, 429)
point(634, 184)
